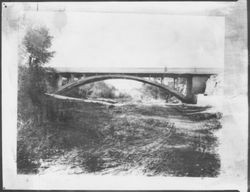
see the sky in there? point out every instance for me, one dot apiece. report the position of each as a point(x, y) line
point(147, 34)
point(136, 39)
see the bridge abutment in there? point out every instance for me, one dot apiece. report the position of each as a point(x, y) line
point(195, 85)
point(199, 84)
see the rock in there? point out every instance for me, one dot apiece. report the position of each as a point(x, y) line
point(214, 85)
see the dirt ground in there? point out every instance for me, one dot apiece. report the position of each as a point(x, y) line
point(131, 139)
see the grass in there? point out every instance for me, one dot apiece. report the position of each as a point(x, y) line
point(100, 140)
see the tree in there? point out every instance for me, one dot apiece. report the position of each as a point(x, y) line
point(32, 77)
point(37, 42)
point(32, 84)
point(152, 91)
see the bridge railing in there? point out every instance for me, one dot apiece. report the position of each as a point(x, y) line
point(142, 70)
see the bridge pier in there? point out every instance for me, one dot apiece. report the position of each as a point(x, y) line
point(174, 86)
point(71, 78)
point(189, 86)
point(195, 85)
point(59, 81)
point(83, 76)
point(191, 97)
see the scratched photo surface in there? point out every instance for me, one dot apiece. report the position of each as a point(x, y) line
point(126, 89)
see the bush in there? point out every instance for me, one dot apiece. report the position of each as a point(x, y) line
point(150, 91)
point(97, 90)
point(93, 162)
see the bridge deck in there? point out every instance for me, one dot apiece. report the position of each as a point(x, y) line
point(159, 70)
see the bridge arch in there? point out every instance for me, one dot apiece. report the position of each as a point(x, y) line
point(97, 78)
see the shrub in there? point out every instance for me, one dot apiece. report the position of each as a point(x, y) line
point(97, 90)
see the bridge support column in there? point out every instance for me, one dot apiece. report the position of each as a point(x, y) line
point(71, 78)
point(174, 83)
point(83, 76)
point(191, 98)
point(59, 81)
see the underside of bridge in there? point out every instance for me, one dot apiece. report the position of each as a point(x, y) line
point(194, 85)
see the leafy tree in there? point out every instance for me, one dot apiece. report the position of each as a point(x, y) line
point(152, 91)
point(33, 81)
point(37, 42)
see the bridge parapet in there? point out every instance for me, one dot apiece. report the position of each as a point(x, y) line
point(140, 71)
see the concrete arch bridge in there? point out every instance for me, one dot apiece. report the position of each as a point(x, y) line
point(195, 79)
point(70, 86)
